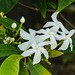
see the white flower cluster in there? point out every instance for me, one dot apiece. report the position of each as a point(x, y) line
point(8, 40)
point(35, 43)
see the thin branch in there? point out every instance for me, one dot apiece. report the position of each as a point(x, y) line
point(67, 21)
point(36, 9)
point(48, 10)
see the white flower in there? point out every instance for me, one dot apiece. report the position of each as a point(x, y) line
point(67, 40)
point(22, 20)
point(38, 49)
point(7, 40)
point(48, 34)
point(26, 36)
point(56, 24)
point(14, 25)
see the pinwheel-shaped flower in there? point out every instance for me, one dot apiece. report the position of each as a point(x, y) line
point(56, 24)
point(26, 36)
point(67, 40)
point(48, 34)
point(38, 49)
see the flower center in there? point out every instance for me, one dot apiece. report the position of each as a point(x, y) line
point(66, 37)
point(48, 33)
point(36, 48)
point(7, 41)
point(57, 23)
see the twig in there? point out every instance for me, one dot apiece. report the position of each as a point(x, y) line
point(48, 10)
point(36, 9)
point(24, 61)
point(67, 21)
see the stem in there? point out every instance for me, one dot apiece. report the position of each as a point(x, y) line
point(18, 29)
point(18, 39)
point(59, 43)
point(25, 62)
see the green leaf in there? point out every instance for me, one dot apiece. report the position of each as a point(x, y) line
point(11, 65)
point(42, 6)
point(6, 50)
point(6, 6)
point(55, 53)
point(23, 69)
point(51, 5)
point(63, 3)
point(7, 22)
point(2, 29)
point(37, 69)
point(69, 50)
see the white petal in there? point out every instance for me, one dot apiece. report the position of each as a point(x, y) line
point(71, 46)
point(59, 37)
point(44, 52)
point(54, 16)
point(33, 45)
point(71, 33)
point(41, 31)
point(24, 34)
point(4, 41)
point(65, 45)
point(28, 52)
point(53, 42)
point(24, 46)
point(48, 24)
point(41, 38)
point(55, 29)
point(63, 28)
point(44, 43)
point(32, 32)
point(37, 57)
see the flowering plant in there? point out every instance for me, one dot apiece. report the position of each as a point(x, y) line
point(19, 46)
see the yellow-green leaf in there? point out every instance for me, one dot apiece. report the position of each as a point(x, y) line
point(37, 69)
point(11, 65)
point(55, 53)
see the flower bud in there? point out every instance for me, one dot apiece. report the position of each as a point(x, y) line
point(22, 20)
point(19, 42)
point(14, 25)
point(12, 39)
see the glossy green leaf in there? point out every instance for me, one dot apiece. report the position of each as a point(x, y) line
point(7, 22)
point(69, 50)
point(55, 53)
point(7, 5)
point(37, 69)
point(11, 65)
point(23, 69)
point(63, 3)
point(51, 5)
point(6, 50)
point(42, 7)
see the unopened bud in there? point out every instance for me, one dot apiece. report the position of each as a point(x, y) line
point(14, 25)
point(12, 39)
point(2, 14)
point(19, 42)
point(5, 16)
point(22, 20)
